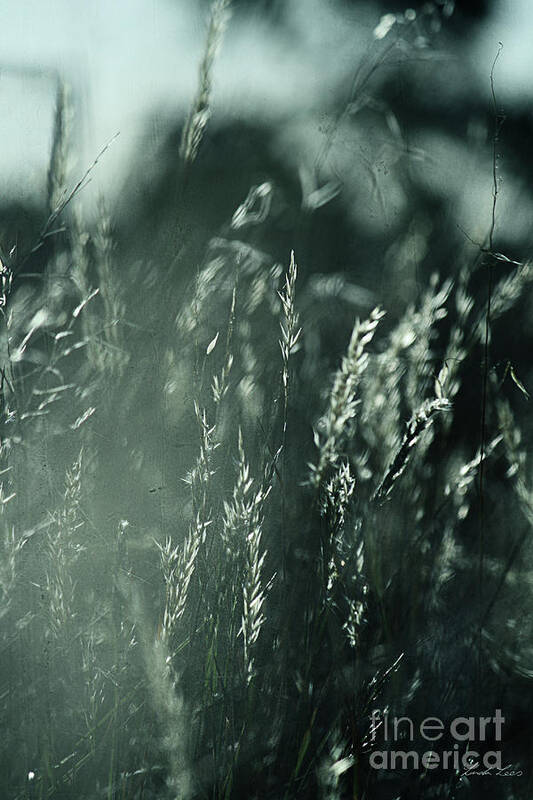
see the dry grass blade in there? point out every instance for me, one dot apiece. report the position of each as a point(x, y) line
point(200, 112)
point(177, 566)
point(416, 426)
point(243, 529)
point(334, 425)
point(58, 167)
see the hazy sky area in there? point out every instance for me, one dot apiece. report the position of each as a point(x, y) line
point(126, 59)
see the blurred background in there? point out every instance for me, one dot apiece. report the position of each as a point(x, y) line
point(132, 68)
point(372, 113)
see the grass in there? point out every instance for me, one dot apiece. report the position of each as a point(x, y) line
point(226, 542)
